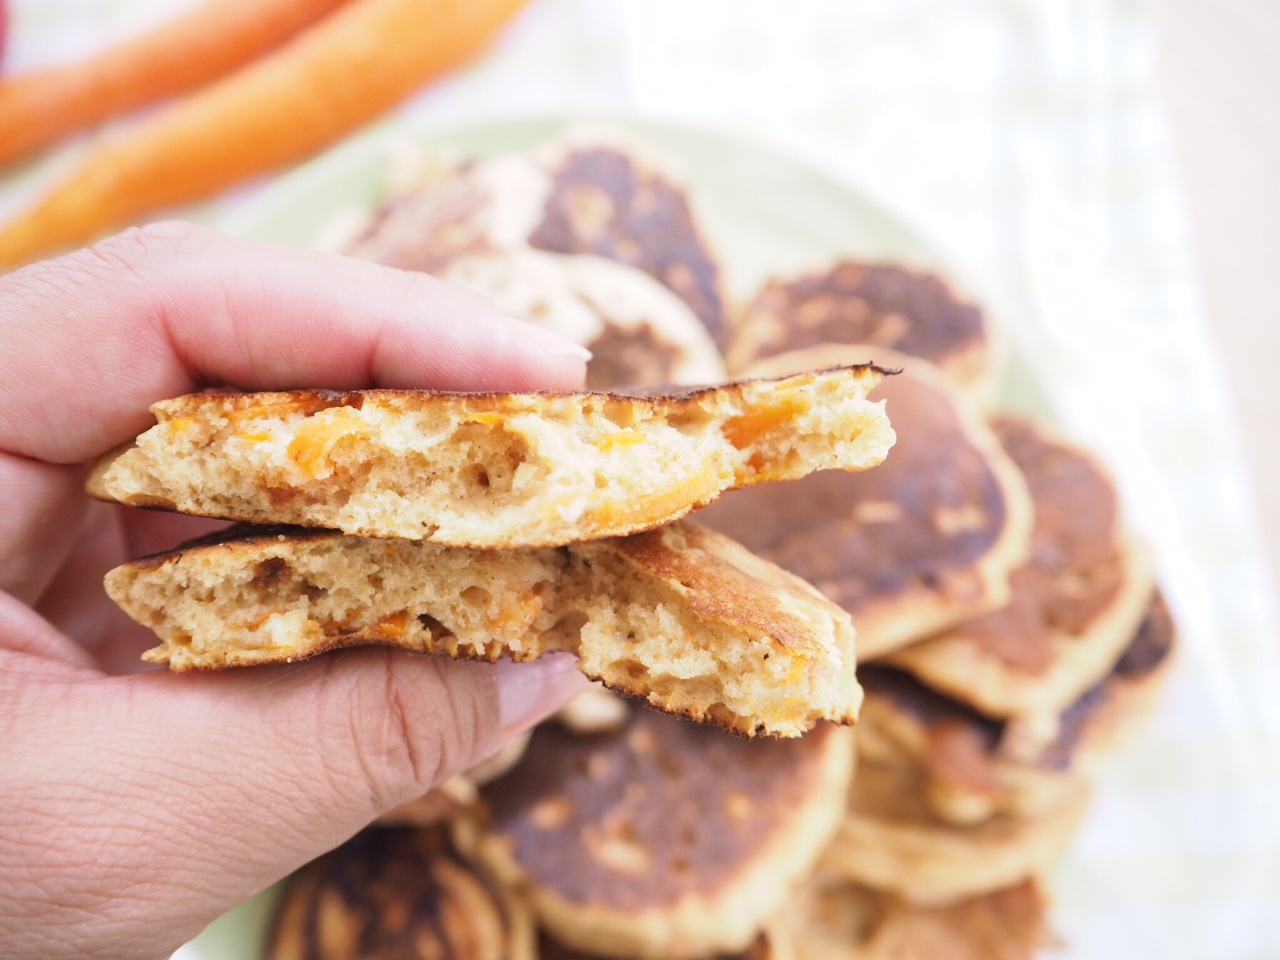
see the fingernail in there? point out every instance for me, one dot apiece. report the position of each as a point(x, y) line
point(550, 342)
point(529, 692)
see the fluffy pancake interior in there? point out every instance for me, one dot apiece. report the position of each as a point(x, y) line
point(493, 470)
point(273, 599)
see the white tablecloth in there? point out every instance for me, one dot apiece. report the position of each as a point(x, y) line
point(1025, 138)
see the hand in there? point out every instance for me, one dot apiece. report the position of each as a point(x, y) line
point(138, 805)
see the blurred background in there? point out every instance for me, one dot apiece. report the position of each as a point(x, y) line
point(1102, 175)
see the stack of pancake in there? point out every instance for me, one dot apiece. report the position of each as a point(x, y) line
point(1009, 630)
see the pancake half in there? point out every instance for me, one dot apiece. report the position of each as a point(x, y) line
point(838, 920)
point(680, 616)
point(884, 305)
point(587, 191)
point(891, 840)
point(924, 541)
point(389, 894)
point(663, 839)
point(976, 766)
point(638, 331)
point(493, 470)
point(1075, 604)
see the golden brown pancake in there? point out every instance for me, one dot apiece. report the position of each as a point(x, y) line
point(638, 331)
point(608, 200)
point(967, 778)
point(389, 894)
point(924, 541)
point(584, 192)
point(681, 617)
point(883, 305)
point(838, 920)
point(1075, 605)
point(492, 470)
point(892, 840)
point(665, 838)
point(1112, 710)
point(972, 770)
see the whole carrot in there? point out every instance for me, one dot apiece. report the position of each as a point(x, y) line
point(202, 43)
point(349, 67)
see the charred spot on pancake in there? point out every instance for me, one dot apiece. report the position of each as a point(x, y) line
point(863, 537)
point(924, 704)
point(882, 304)
point(602, 202)
point(642, 813)
point(149, 502)
point(1153, 643)
point(390, 893)
point(1075, 568)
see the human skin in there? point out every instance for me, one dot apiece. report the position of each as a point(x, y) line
point(138, 805)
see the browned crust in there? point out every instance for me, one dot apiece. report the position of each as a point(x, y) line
point(314, 400)
point(396, 892)
point(1074, 605)
point(708, 567)
point(661, 838)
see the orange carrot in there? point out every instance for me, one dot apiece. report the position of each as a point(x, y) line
point(349, 67)
point(199, 45)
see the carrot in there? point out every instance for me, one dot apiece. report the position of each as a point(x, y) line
point(349, 67)
point(203, 43)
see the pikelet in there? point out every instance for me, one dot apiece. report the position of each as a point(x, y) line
point(492, 470)
point(881, 305)
point(663, 838)
point(587, 191)
point(681, 617)
point(967, 779)
point(893, 841)
point(392, 893)
point(926, 540)
point(1076, 603)
point(638, 331)
point(976, 768)
point(832, 919)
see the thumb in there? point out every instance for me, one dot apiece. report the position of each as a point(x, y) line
point(148, 805)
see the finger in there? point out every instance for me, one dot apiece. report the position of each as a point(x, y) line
point(79, 608)
point(145, 806)
point(93, 338)
point(43, 508)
